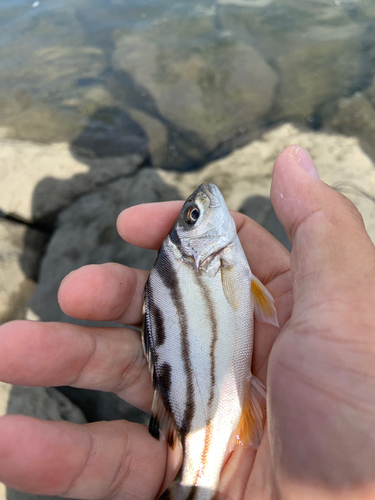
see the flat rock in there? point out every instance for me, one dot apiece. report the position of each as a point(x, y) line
point(37, 181)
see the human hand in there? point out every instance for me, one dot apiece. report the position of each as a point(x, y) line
point(121, 460)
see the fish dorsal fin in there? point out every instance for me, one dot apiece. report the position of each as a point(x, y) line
point(250, 426)
point(264, 305)
point(161, 422)
point(228, 280)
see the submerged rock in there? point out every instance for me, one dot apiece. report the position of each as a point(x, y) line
point(209, 89)
point(320, 50)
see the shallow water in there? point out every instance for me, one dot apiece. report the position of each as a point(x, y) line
point(183, 81)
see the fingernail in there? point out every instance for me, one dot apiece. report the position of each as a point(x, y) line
point(306, 162)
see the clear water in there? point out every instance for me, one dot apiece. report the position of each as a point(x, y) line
point(186, 81)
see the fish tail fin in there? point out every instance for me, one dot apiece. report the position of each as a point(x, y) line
point(250, 427)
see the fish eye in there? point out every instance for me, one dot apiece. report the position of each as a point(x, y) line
point(191, 214)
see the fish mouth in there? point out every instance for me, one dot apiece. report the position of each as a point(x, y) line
point(213, 194)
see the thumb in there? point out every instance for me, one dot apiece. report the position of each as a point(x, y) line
point(331, 251)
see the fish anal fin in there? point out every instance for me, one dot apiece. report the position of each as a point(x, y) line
point(264, 305)
point(228, 281)
point(250, 426)
point(161, 422)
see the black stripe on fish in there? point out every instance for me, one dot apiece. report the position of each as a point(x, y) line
point(164, 382)
point(156, 314)
point(166, 271)
point(211, 312)
point(175, 239)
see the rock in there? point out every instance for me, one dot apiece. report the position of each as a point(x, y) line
point(49, 64)
point(86, 233)
point(319, 50)
point(157, 134)
point(5, 390)
point(44, 403)
point(355, 116)
point(4, 398)
point(110, 132)
point(208, 87)
point(336, 62)
point(37, 181)
point(20, 251)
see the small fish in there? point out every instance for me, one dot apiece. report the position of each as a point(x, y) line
point(198, 338)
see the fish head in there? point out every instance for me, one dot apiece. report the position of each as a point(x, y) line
point(204, 225)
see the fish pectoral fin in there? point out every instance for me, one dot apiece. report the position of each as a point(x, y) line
point(250, 426)
point(264, 305)
point(161, 422)
point(228, 281)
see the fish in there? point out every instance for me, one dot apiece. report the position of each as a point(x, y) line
point(199, 303)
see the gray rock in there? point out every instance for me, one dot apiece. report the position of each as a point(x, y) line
point(87, 234)
point(355, 115)
point(44, 403)
point(319, 50)
point(207, 86)
point(46, 73)
point(336, 62)
point(37, 181)
point(20, 251)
